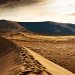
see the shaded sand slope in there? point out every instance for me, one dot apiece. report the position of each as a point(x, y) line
point(7, 56)
point(15, 60)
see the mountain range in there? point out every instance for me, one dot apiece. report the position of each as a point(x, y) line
point(42, 28)
point(49, 28)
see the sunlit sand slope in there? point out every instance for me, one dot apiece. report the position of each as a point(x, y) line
point(50, 66)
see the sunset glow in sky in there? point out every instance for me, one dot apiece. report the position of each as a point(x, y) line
point(49, 10)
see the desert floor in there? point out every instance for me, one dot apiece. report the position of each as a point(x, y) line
point(60, 50)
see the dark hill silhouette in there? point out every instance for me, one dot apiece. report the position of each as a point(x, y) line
point(49, 28)
point(10, 26)
point(43, 28)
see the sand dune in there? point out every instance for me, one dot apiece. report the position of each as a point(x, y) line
point(16, 60)
point(51, 67)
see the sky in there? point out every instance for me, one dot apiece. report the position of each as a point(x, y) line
point(45, 10)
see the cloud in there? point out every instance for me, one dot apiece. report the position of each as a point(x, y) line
point(12, 3)
point(27, 1)
point(72, 14)
point(39, 10)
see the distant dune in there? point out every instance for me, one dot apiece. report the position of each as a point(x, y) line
point(10, 26)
